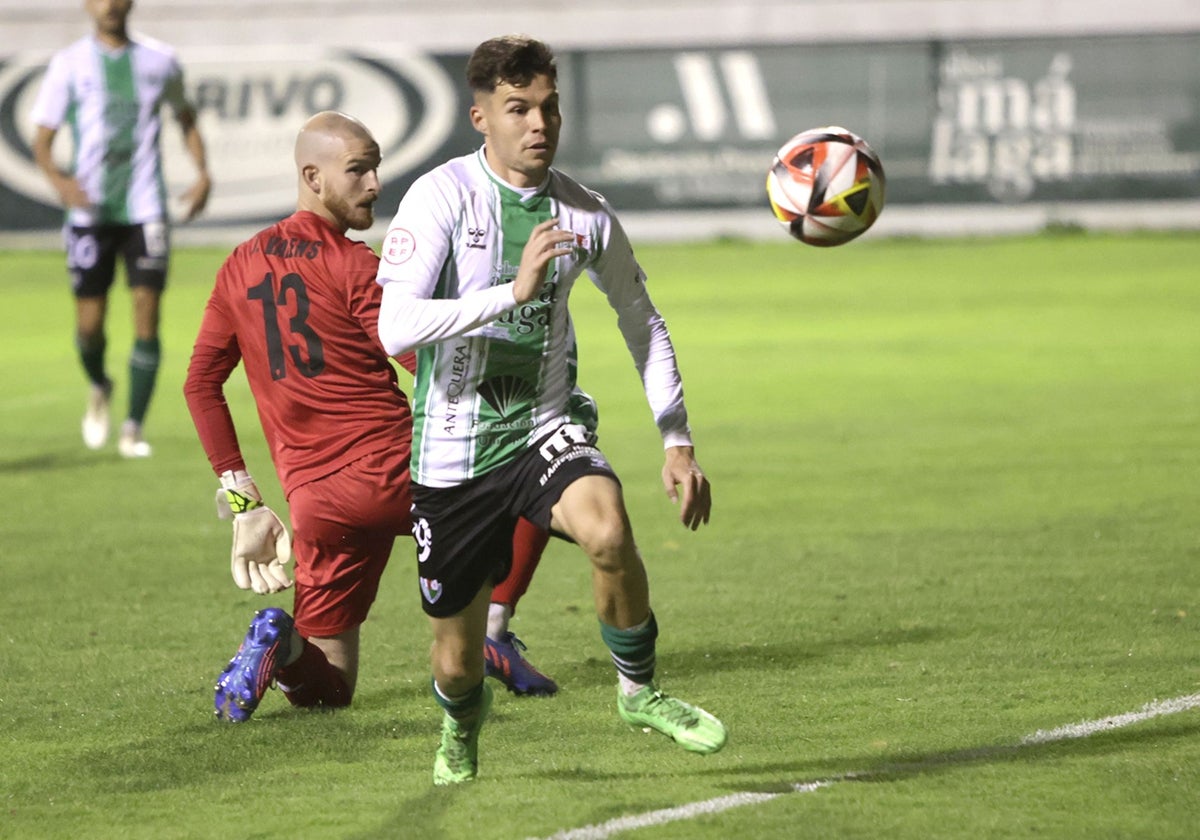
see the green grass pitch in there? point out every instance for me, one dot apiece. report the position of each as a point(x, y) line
point(956, 491)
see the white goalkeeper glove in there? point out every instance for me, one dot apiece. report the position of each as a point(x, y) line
point(261, 546)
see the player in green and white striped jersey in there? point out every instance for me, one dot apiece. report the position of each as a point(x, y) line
point(109, 89)
point(476, 271)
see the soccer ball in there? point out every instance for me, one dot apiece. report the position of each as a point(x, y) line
point(826, 186)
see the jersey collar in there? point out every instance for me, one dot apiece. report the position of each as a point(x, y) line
point(529, 197)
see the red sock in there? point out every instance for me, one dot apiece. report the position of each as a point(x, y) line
point(529, 541)
point(311, 681)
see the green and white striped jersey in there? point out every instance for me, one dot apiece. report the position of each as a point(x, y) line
point(112, 99)
point(492, 377)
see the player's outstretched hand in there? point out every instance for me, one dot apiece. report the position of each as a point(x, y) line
point(261, 548)
point(196, 198)
point(687, 485)
point(261, 545)
point(72, 194)
point(545, 243)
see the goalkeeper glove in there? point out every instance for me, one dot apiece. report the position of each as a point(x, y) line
point(261, 545)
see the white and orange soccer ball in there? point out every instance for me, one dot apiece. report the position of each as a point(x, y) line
point(826, 186)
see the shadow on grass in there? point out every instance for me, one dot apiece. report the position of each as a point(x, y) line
point(594, 672)
point(278, 736)
point(806, 774)
point(421, 815)
point(400, 695)
point(249, 755)
point(67, 459)
point(188, 755)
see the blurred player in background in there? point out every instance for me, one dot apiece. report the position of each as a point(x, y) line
point(110, 88)
point(476, 270)
point(298, 305)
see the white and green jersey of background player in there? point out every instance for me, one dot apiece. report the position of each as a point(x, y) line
point(111, 100)
point(483, 396)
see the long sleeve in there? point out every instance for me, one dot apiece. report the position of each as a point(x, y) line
point(409, 321)
point(623, 282)
point(422, 303)
point(209, 368)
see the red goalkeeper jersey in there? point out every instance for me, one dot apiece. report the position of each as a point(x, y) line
point(298, 305)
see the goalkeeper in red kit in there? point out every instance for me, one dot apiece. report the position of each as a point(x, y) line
point(297, 304)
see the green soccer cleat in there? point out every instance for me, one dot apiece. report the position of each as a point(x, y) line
point(689, 726)
point(458, 757)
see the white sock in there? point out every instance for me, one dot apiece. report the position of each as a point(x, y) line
point(641, 625)
point(628, 686)
point(498, 616)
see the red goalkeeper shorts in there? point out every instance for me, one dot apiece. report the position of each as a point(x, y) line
point(343, 527)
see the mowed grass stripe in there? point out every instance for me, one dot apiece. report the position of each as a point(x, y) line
point(955, 487)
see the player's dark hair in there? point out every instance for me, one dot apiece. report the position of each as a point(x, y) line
point(514, 59)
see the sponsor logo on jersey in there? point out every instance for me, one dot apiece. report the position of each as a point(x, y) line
point(504, 393)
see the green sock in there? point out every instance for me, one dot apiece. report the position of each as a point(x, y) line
point(633, 650)
point(143, 371)
point(460, 708)
point(92, 356)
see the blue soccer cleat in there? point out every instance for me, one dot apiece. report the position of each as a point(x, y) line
point(249, 674)
point(503, 660)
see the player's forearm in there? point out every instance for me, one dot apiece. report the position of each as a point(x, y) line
point(196, 198)
point(649, 343)
point(407, 323)
point(203, 391)
point(43, 157)
point(198, 153)
point(214, 426)
point(218, 437)
point(664, 392)
point(193, 142)
point(43, 144)
point(45, 162)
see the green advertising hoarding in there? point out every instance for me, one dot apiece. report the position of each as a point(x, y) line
point(1012, 121)
point(980, 122)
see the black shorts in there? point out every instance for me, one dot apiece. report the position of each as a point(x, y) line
point(464, 533)
point(92, 256)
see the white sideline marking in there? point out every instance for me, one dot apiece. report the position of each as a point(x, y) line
point(1083, 729)
point(683, 812)
point(1091, 727)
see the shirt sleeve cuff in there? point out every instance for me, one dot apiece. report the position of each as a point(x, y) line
point(677, 438)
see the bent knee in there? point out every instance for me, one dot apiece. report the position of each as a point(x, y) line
point(456, 672)
point(609, 544)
